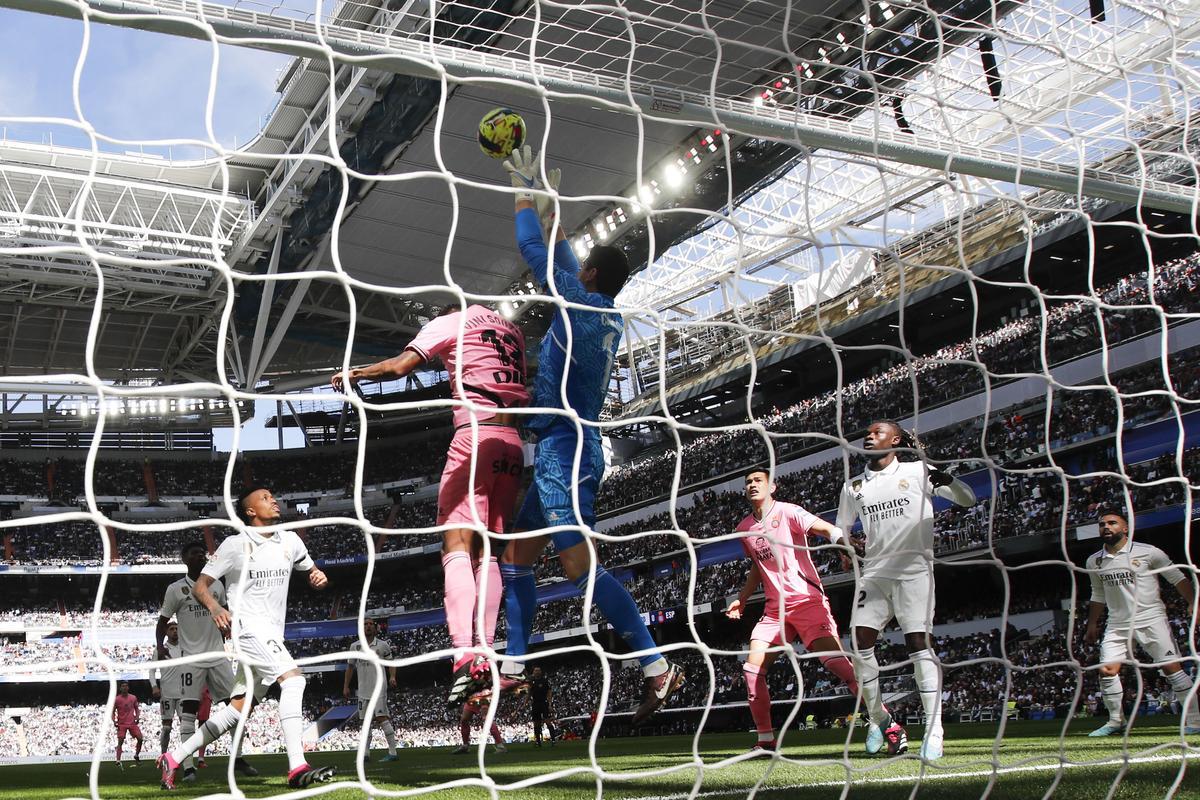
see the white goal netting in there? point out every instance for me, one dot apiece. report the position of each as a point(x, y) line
point(975, 218)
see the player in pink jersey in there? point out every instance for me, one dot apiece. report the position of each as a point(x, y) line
point(126, 715)
point(485, 356)
point(775, 540)
point(475, 710)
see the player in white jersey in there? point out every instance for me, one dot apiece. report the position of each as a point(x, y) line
point(197, 636)
point(894, 501)
point(1124, 576)
point(259, 567)
point(366, 689)
point(166, 687)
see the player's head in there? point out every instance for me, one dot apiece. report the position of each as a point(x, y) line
point(194, 555)
point(172, 631)
point(605, 270)
point(1114, 525)
point(537, 672)
point(370, 628)
point(123, 687)
point(257, 506)
point(450, 308)
point(759, 487)
point(888, 435)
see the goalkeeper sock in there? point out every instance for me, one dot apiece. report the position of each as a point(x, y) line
point(1182, 685)
point(622, 613)
point(460, 597)
point(929, 684)
point(216, 726)
point(868, 683)
point(1113, 693)
point(491, 598)
point(841, 666)
point(389, 733)
point(187, 729)
point(760, 701)
point(291, 719)
point(164, 736)
point(520, 601)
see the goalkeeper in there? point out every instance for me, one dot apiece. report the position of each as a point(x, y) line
point(586, 337)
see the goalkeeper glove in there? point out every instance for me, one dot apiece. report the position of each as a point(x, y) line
point(522, 169)
point(939, 477)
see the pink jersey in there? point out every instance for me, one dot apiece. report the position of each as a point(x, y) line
point(786, 568)
point(493, 358)
point(125, 708)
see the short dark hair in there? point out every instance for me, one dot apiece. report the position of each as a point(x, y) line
point(612, 268)
point(1111, 511)
point(908, 439)
point(241, 501)
point(192, 545)
point(763, 470)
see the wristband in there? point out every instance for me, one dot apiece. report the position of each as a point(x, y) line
point(836, 536)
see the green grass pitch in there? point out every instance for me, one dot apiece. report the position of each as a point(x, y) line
point(1028, 758)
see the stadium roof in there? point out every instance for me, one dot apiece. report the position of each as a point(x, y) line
point(162, 318)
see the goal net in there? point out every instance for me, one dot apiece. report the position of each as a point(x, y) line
point(973, 220)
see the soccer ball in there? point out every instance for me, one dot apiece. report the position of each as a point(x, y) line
point(500, 132)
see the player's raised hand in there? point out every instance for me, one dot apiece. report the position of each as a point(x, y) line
point(735, 609)
point(522, 167)
point(317, 579)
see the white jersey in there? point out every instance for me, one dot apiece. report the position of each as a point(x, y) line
point(366, 670)
point(895, 505)
point(1127, 582)
point(197, 631)
point(169, 678)
point(258, 569)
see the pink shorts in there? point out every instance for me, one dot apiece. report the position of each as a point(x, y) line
point(498, 466)
point(130, 729)
point(810, 620)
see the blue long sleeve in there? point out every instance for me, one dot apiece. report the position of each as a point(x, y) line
point(533, 249)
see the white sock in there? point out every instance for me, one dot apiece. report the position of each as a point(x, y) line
point(164, 736)
point(216, 726)
point(1113, 693)
point(187, 729)
point(1182, 685)
point(291, 718)
point(389, 733)
point(655, 668)
point(868, 684)
point(929, 683)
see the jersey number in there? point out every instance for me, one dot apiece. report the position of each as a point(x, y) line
point(185, 679)
point(275, 646)
point(862, 598)
point(510, 354)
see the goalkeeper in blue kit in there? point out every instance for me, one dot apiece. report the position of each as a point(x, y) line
point(581, 345)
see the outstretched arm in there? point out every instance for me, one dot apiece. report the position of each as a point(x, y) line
point(951, 488)
point(388, 369)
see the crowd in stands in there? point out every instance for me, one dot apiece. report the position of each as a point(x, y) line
point(1008, 351)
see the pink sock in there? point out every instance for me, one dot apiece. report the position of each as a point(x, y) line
point(759, 697)
point(842, 667)
point(496, 734)
point(491, 600)
point(465, 730)
point(460, 597)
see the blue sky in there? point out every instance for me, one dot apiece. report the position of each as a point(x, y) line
point(139, 86)
point(134, 85)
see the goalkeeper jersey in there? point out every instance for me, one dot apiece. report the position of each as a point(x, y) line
point(895, 506)
point(1127, 582)
point(595, 334)
point(197, 631)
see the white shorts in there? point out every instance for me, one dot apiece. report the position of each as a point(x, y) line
point(909, 600)
point(1154, 637)
point(267, 658)
point(218, 678)
point(364, 707)
point(169, 707)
